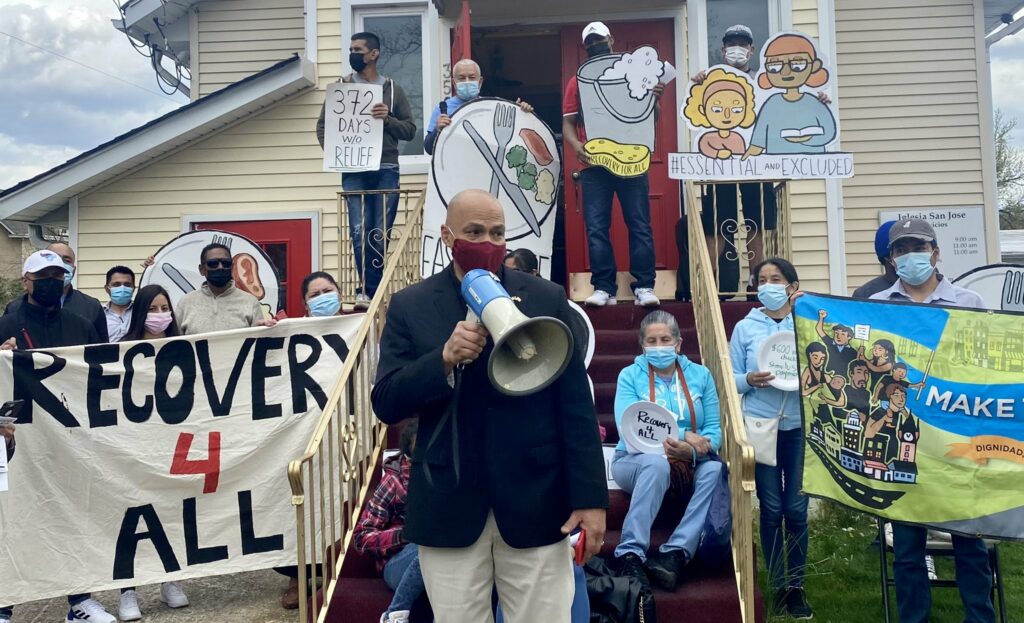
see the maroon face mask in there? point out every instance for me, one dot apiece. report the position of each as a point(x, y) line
point(471, 255)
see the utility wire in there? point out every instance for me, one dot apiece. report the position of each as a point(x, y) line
point(81, 64)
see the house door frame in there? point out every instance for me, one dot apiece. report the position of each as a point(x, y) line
point(187, 220)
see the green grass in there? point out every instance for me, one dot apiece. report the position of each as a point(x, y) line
point(843, 579)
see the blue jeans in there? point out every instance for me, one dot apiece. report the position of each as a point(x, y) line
point(599, 186)
point(914, 593)
point(367, 224)
point(402, 575)
point(580, 612)
point(778, 493)
point(646, 478)
point(72, 600)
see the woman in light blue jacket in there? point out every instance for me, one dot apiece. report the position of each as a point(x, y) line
point(647, 476)
point(778, 487)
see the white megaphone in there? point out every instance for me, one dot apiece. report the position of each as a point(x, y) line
point(529, 353)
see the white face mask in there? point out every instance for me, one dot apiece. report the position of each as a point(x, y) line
point(737, 56)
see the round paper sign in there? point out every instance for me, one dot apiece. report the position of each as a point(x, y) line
point(778, 356)
point(646, 425)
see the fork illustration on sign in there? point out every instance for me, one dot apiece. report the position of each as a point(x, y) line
point(504, 127)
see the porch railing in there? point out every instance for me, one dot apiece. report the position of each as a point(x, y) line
point(752, 222)
point(736, 450)
point(330, 480)
point(375, 241)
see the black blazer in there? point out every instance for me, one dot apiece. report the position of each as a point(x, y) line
point(531, 460)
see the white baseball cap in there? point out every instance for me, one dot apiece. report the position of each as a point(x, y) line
point(42, 259)
point(596, 28)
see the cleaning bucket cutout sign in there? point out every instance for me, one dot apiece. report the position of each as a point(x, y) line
point(617, 106)
point(176, 267)
point(494, 145)
point(777, 125)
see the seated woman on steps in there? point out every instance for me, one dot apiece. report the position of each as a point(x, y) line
point(666, 377)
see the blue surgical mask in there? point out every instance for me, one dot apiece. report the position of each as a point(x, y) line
point(772, 295)
point(915, 268)
point(69, 275)
point(467, 90)
point(660, 357)
point(121, 295)
point(326, 304)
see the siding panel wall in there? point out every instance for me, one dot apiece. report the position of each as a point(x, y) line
point(912, 118)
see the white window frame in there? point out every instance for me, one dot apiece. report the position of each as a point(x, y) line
point(353, 12)
point(780, 17)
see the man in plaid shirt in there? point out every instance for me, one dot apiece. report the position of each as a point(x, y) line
point(379, 532)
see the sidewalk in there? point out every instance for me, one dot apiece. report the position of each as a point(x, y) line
point(241, 598)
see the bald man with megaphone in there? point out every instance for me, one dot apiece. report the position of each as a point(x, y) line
point(504, 469)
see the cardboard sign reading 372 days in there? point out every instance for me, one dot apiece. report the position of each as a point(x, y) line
point(353, 139)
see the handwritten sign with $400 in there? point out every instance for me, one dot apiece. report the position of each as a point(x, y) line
point(353, 139)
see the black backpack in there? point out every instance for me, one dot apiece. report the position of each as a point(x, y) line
point(614, 598)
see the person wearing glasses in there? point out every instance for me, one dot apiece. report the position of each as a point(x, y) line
point(218, 305)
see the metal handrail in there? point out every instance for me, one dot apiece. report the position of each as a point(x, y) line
point(330, 481)
point(736, 450)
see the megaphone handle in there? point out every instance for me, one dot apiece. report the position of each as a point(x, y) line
point(470, 317)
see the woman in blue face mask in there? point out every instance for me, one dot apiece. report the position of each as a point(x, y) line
point(778, 486)
point(664, 376)
point(321, 294)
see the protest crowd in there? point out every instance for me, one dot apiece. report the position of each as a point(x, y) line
point(500, 516)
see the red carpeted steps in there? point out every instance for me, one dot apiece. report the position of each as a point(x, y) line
point(706, 595)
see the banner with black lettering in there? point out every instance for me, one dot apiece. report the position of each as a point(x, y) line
point(143, 462)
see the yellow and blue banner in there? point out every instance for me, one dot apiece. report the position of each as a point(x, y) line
point(914, 413)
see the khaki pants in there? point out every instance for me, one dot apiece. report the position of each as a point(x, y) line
point(534, 584)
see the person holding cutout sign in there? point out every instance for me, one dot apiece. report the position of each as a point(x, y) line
point(665, 376)
point(778, 486)
point(369, 220)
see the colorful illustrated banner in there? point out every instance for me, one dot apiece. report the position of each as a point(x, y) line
point(493, 145)
point(142, 462)
point(914, 413)
point(353, 139)
point(776, 125)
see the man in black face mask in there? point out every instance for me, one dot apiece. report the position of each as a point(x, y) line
point(368, 216)
point(218, 305)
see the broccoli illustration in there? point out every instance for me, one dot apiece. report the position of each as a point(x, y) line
point(528, 176)
point(516, 157)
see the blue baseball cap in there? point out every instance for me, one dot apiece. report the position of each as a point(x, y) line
point(882, 240)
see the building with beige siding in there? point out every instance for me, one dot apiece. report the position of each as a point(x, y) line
point(912, 89)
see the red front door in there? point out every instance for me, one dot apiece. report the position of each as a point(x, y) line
point(288, 243)
point(664, 193)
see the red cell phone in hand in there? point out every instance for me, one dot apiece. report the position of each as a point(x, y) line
point(581, 546)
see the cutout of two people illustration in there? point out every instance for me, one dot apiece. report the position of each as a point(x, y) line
point(791, 120)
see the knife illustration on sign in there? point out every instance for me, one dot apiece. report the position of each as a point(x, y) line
point(520, 201)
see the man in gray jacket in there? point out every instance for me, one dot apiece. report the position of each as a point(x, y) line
point(368, 222)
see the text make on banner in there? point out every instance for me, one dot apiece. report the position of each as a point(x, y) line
point(143, 462)
point(493, 144)
point(916, 414)
point(353, 139)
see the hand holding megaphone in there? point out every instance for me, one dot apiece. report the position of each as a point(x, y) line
point(529, 353)
point(464, 346)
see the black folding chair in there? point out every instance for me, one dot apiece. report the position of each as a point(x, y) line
point(934, 549)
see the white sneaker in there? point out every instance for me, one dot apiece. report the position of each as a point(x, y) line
point(128, 608)
point(599, 298)
point(90, 610)
point(929, 562)
point(398, 616)
point(645, 298)
point(362, 301)
point(172, 595)
point(5, 619)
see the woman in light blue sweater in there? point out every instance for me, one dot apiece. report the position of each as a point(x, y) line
point(664, 376)
point(778, 487)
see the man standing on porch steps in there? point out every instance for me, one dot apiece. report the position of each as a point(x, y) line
point(371, 217)
point(497, 482)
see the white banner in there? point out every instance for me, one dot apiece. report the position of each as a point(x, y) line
point(353, 139)
point(698, 167)
point(143, 462)
point(493, 145)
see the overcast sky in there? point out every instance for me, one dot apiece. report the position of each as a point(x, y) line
point(52, 109)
